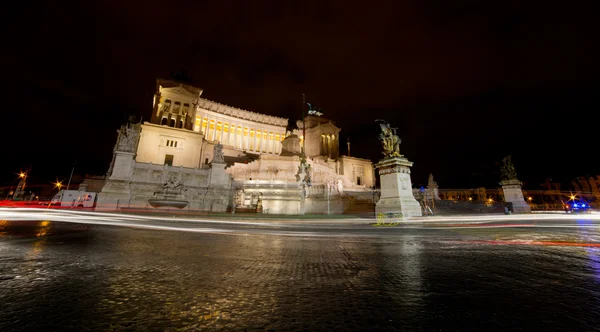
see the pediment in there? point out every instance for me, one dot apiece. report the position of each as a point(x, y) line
point(182, 91)
point(330, 127)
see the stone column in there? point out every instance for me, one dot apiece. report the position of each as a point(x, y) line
point(207, 133)
point(214, 132)
point(255, 148)
point(234, 135)
point(514, 194)
point(259, 143)
point(396, 189)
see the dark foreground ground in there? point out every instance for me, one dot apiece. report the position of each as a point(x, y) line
point(58, 276)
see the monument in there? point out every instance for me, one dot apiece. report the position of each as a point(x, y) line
point(432, 189)
point(511, 187)
point(397, 198)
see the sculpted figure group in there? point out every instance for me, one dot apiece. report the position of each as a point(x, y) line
point(389, 140)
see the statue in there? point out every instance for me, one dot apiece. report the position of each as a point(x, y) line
point(290, 146)
point(291, 126)
point(431, 183)
point(308, 177)
point(172, 183)
point(127, 138)
point(218, 157)
point(507, 171)
point(389, 140)
point(304, 174)
point(312, 110)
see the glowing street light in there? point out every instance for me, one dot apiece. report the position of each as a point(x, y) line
point(58, 184)
point(529, 198)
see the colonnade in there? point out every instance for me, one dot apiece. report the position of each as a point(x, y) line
point(329, 145)
point(240, 137)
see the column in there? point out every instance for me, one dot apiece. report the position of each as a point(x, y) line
point(226, 134)
point(234, 134)
point(255, 147)
point(250, 140)
point(219, 133)
point(213, 131)
point(206, 134)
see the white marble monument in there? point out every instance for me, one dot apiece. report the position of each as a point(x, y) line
point(397, 200)
point(513, 194)
point(511, 187)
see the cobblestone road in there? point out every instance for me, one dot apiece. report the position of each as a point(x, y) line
point(65, 277)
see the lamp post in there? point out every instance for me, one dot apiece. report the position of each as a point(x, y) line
point(21, 185)
point(23, 177)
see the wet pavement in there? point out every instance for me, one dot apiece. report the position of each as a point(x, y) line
point(497, 275)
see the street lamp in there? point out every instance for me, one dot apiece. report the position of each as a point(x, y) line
point(21, 186)
point(58, 184)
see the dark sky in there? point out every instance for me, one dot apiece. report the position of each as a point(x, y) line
point(466, 82)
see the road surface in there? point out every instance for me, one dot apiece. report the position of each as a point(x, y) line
point(78, 272)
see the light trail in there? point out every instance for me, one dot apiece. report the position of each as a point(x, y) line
point(533, 242)
point(158, 222)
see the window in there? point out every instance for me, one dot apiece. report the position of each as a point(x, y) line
point(180, 125)
point(171, 122)
point(186, 106)
point(169, 159)
point(163, 121)
point(167, 105)
point(206, 161)
point(175, 143)
point(168, 143)
point(176, 107)
point(358, 181)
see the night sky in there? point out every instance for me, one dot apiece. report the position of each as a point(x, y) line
point(466, 82)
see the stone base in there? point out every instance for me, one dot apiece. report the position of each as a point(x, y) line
point(398, 206)
point(396, 189)
point(514, 195)
point(521, 207)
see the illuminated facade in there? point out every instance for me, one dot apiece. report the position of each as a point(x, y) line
point(178, 147)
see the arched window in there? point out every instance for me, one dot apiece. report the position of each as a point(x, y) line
point(171, 122)
point(163, 121)
point(180, 125)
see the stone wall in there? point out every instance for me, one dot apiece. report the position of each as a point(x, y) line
point(148, 181)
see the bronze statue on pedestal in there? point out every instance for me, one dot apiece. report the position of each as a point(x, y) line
point(389, 140)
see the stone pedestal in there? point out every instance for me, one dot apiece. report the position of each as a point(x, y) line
point(396, 189)
point(123, 166)
point(218, 176)
point(513, 194)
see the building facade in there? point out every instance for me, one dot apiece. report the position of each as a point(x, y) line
point(214, 157)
